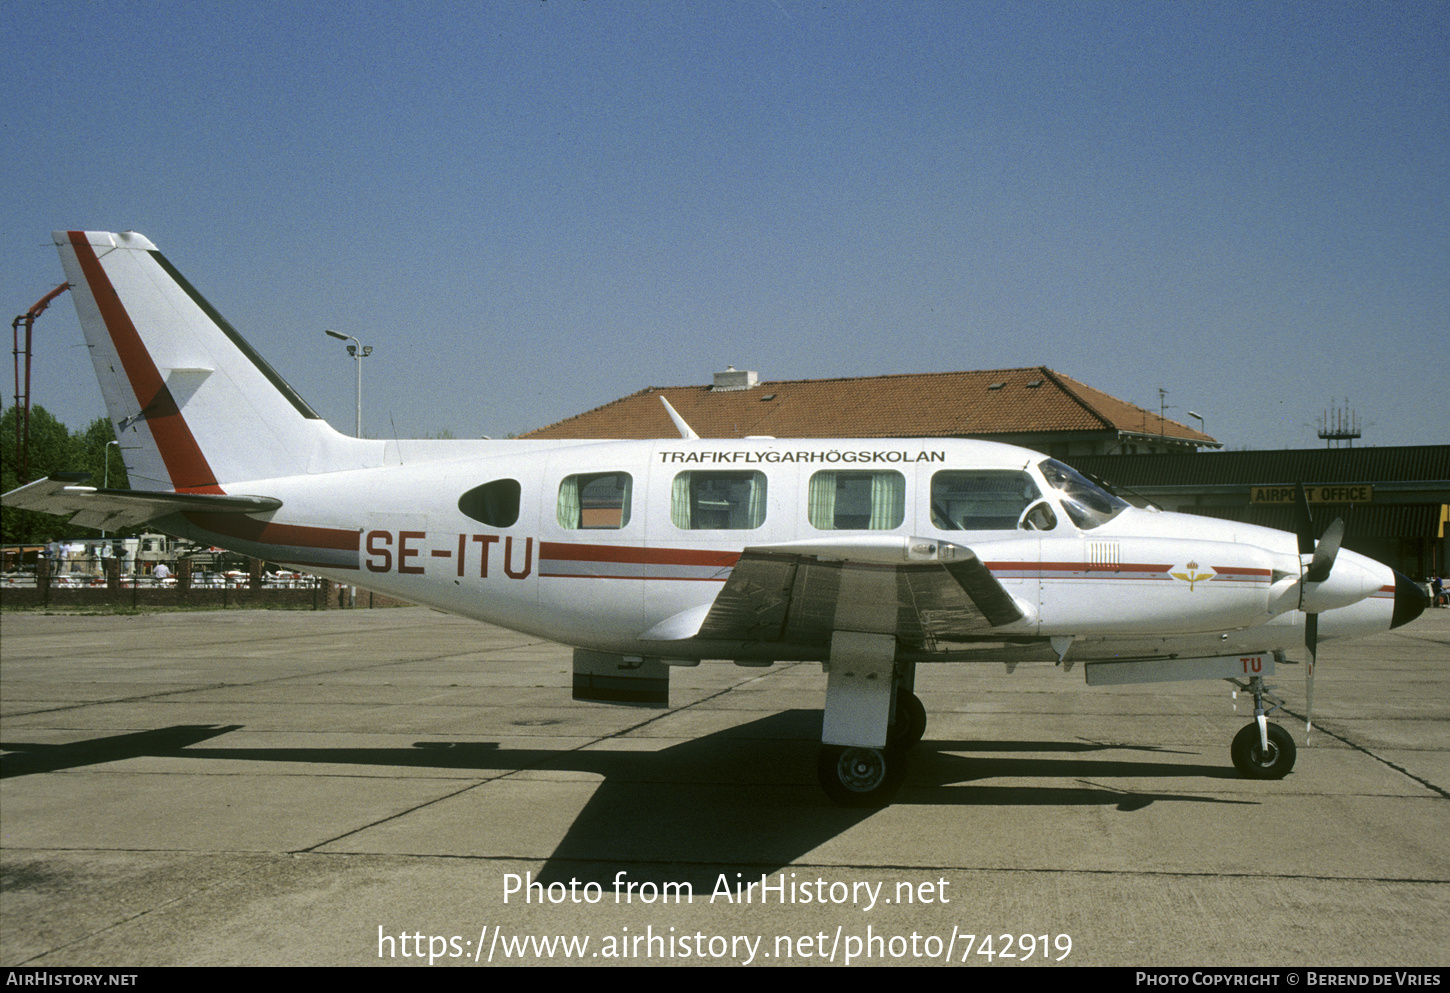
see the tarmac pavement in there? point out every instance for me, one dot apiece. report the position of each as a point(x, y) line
point(379, 787)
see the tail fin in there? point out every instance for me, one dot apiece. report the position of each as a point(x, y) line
point(194, 406)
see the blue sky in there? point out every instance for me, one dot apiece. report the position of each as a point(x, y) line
point(531, 208)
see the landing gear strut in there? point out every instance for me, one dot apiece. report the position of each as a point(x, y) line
point(1262, 750)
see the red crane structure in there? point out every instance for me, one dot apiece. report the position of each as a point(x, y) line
point(22, 396)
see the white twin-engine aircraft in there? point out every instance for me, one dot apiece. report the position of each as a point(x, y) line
point(870, 556)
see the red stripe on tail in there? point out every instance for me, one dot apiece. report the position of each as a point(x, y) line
point(185, 463)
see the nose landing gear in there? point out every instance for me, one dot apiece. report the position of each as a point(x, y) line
point(1254, 760)
point(1262, 750)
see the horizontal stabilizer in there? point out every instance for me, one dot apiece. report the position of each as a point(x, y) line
point(64, 495)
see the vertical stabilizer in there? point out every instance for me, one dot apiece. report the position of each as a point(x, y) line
point(194, 406)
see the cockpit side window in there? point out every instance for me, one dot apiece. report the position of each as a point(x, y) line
point(1088, 504)
point(593, 501)
point(981, 499)
point(495, 503)
point(1039, 517)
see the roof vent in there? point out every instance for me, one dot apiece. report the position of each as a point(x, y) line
point(1034, 384)
point(731, 379)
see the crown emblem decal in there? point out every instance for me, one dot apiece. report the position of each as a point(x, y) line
point(1191, 575)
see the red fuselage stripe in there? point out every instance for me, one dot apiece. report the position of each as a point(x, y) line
point(563, 552)
point(263, 532)
point(568, 552)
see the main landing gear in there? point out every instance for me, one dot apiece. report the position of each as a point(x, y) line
point(860, 777)
point(870, 777)
point(1262, 750)
point(909, 723)
point(872, 720)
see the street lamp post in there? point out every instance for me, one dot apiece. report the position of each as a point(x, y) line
point(358, 351)
point(106, 475)
point(106, 472)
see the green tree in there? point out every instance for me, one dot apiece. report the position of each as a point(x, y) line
point(94, 450)
point(53, 448)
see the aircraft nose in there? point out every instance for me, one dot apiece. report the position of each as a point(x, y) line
point(1410, 600)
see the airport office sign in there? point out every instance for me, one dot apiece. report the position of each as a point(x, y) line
point(1317, 493)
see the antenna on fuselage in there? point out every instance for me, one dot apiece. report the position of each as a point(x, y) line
point(685, 430)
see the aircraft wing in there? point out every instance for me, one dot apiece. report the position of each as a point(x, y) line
point(63, 495)
point(919, 589)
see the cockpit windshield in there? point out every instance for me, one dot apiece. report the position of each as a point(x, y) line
point(1088, 504)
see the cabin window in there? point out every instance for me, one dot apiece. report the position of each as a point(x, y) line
point(718, 501)
point(595, 501)
point(495, 504)
point(981, 500)
point(857, 501)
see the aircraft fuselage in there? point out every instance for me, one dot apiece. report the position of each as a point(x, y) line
point(609, 541)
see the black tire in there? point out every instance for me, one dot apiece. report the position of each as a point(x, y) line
point(910, 723)
point(1253, 762)
point(860, 777)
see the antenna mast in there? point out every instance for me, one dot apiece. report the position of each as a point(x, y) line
point(1339, 426)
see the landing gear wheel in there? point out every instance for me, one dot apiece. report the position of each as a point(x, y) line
point(860, 777)
point(910, 723)
point(1253, 762)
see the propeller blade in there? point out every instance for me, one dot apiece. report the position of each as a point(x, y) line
point(1320, 566)
point(1325, 552)
point(1311, 642)
point(1304, 526)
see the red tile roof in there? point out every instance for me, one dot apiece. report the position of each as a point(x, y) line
point(1034, 400)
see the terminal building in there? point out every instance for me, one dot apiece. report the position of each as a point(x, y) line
point(1395, 501)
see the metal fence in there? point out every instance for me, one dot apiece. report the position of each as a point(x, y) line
point(100, 582)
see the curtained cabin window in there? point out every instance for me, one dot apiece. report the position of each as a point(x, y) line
point(857, 501)
point(718, 501)
point(594, 501)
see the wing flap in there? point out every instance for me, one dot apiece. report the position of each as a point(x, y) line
point(64, 495)
point(919, 590)
point(753, 603)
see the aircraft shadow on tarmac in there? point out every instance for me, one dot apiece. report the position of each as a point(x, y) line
point(742, 797)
